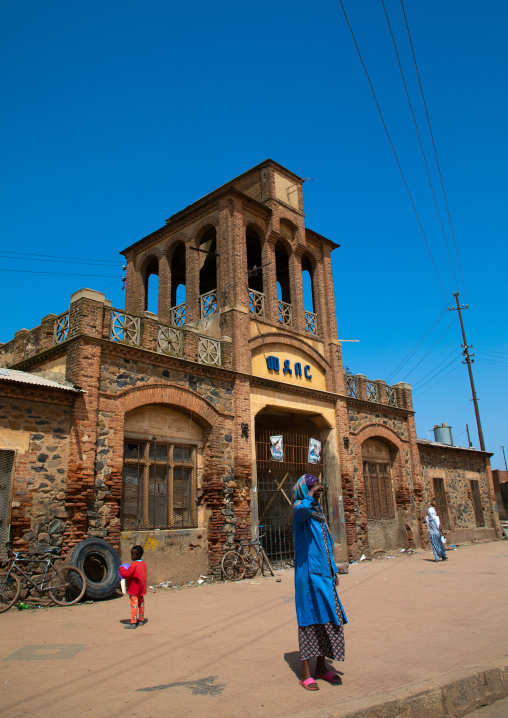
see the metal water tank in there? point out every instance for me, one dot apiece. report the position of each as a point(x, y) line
point(443, 434)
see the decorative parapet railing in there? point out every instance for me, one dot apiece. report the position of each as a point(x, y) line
point(310, 323)
point(124, 328)
point(209, 351)
point(256, 303)
point(351, 386)
point(208, 304)
point(61, 328)
point(372, 390)
point(391, 396)
point(169, 340)
point(177, 315)
point(285, 313)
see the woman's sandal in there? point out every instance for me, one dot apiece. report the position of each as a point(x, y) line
point(331, 677)
point(307, 683)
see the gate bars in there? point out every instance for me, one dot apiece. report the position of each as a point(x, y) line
point(275, 480)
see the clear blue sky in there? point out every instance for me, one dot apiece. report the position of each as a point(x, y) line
point(118, 114)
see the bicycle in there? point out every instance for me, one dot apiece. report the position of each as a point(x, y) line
point(65, 585)
point(236, 563)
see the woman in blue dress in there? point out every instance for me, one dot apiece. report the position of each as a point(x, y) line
point(318, 608)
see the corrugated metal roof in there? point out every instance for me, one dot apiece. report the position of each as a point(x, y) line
point(24, 377)
point(428, 442)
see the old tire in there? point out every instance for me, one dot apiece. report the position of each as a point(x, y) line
point(99, 561)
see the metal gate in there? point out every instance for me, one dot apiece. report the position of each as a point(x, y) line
point(6, 464)
point(275, 480)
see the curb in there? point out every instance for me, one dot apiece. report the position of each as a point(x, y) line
point(453, 695)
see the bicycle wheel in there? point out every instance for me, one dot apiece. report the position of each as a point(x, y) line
point(233, 566)
point(265, 560)
point(10, 589)
point(67, 585)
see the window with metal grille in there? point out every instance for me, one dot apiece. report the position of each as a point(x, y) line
point(441, 503)
point(6, 465)
point(477, 503)
point(159, 486)
point(378, 490)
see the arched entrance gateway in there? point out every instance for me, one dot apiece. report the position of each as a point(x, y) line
point(275, 478)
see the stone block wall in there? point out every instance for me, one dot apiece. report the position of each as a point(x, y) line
point(457, 467)
point(37, 424)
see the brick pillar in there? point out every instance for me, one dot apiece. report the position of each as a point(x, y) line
point(192, 289)
point(270, 282)
point(164, 289)
point(296, 284)
point(83, 369)
point(134, 288)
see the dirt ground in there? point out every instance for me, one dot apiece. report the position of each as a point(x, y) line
point(231, 649)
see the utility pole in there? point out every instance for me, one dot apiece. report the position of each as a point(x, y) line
point(468, 437)
point(469, 361)
point(506, 467)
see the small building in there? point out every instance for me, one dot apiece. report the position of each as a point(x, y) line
point(185, 428)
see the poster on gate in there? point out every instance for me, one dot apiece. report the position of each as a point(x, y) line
point(276, 448)
point(314, 451)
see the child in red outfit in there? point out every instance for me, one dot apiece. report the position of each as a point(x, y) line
point(136, 586)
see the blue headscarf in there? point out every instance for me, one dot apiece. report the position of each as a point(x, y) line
point(301, 490)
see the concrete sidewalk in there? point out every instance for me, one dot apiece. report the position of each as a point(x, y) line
point(416, 628)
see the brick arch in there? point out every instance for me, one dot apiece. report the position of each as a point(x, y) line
point(143, 260)
point(173, 241)
point(184, 400)
point(311, 256)
point(294, 342)
point(256, 224)
point(288, 221)
point(284, 240)
point(210, 221)
point(377, 431)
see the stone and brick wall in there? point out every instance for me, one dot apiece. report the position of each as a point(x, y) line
point(458, 467)
point(36, 423)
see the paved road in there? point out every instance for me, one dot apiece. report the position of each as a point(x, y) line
point(231, 649)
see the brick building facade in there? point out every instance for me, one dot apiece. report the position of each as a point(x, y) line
point(167, 416)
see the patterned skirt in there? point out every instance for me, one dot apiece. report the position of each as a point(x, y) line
point(323, 639)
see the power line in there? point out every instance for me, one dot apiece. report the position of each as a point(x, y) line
point(426, 383)
point(57, 261)
point(420, 393)
point(416, 347)
point(432, 347)
point(393, 149)
point(485, 361)
point(487, 351)
point(56, 256)
point(435, 150)
point(60, 274)
point(422, 380)
point(420, 142)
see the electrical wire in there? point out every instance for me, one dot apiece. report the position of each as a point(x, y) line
point(417, 346)
point(420, 143)
point(56, 256)
point(393, 150)
point(57, 261)
point(436, 382)
point(435, 150)
point(422, 380)
point(59, 274)
point(487, 351)
point(485, 361)
point(432, 347)
point(431, 379)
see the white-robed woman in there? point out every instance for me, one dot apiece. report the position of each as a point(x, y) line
point(435, 533)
